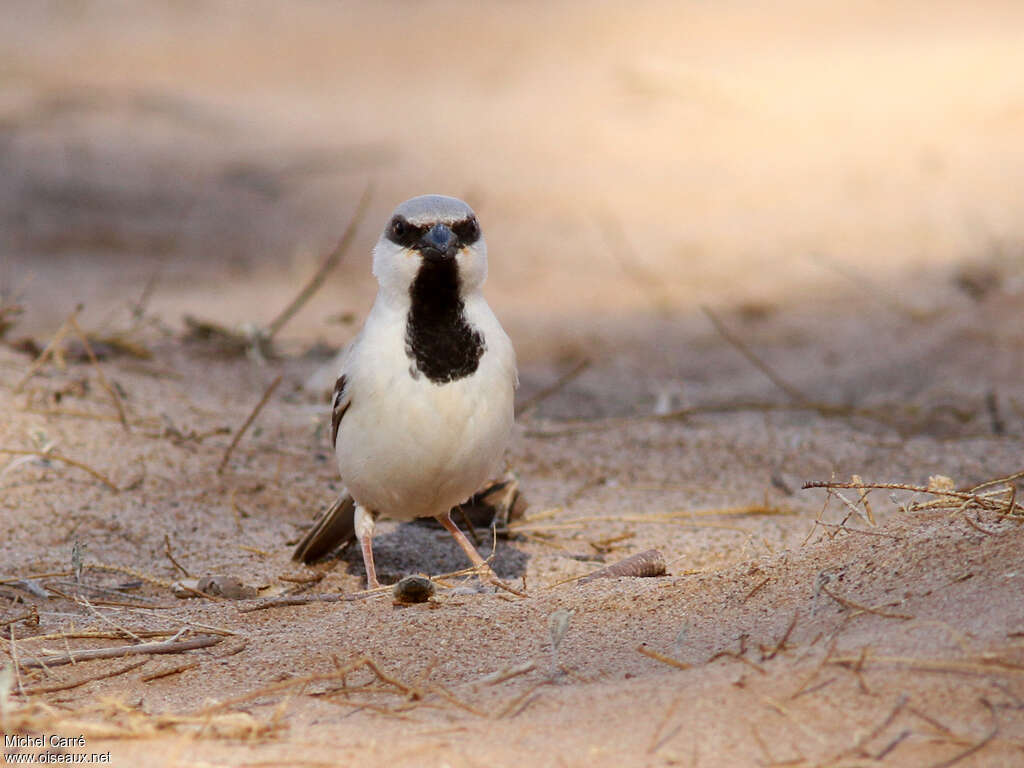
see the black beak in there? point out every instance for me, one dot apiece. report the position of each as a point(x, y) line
point(439, 243)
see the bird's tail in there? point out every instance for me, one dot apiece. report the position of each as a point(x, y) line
point(335, 528)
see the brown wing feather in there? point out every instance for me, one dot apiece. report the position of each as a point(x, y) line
point(341, 403)
point(334, 529)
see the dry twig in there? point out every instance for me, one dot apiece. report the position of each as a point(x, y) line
point(977, 746)
point(329, 263)
point(663, 658)
point(847, 603)
point(170, 671)
point(53, 687)
point(170, 556)
point(114, 396)
point(47, 352)
point(564, 380)
point(64, 460)
point(248, 422)
point(792, 392)
point(945, 495)
point(169, 646)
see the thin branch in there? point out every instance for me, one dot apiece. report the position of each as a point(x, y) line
point(977, 747)
point(852, 604)
point(329, 263)
point(14, 659)
point(169, 646)
point(663, 658)
point(171, 671)
point(1005, 480)
point(114, 396)
point(334, 597)
point(985, 502)
point(792, 392)
point(781, 645)
point(248, 422)
point(170, 556)
point(283, 685)
point(502, 676)
point(52, 687)
point(47, 352)
point(64, 460)
point(564, 380)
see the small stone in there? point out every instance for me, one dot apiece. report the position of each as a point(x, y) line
point(413, 589)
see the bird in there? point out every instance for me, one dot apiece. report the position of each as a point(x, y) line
point(423, 405)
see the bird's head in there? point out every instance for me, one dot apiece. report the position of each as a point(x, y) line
point(430, 232)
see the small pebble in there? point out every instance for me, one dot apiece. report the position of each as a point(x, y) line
point(413, 589)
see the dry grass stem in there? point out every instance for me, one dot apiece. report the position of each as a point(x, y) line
point(100, 635)
point(792, 392)
point(169, 646)
point(248, 422)
point(656, 741)
point(781, 644)
point(663, 658)
point(169, 671)
point(110, 390)
point(757, 588)
point(134, 573)
point(520, 702)
point(47, 352)
point(53, 687)
point(806, 730)
point(852, 604)
point(946, 496)
point(858, 746)
point(496, 678)
point(974, 748)
point(170, 556)
point(531, 403)
point(998, 481)
point(34, 576)
point(453, 699)
point(53, 455)
point(340, 673)
point(15, 662)
point(738, 657)
point(26, 615)
point(979, 665)
point(328, 264)
point(847, 529)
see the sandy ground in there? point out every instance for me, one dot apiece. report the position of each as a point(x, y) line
point(839, 185)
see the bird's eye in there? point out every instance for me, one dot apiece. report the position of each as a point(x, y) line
point(468, 230)
point(398, 228)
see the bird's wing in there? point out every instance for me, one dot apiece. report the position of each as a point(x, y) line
point(342, 400)
point(334, 529)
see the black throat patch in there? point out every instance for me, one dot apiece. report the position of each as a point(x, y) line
point(438, 340)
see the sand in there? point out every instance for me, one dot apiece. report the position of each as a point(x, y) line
point(776, 246)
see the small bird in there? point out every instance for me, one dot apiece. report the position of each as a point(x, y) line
point(423, 403)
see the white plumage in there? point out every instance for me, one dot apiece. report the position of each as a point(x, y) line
point(424, 404)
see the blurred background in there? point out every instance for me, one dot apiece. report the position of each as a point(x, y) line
point(629, 162)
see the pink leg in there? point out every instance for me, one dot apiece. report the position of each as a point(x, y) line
point(466, 544)
point(364, 525)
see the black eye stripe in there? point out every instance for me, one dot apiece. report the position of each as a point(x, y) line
point(467, 230)
point(403, 233)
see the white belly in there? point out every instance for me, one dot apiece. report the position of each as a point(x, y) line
point(410, 448)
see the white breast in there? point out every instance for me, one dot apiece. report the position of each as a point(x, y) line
point(408, 447)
